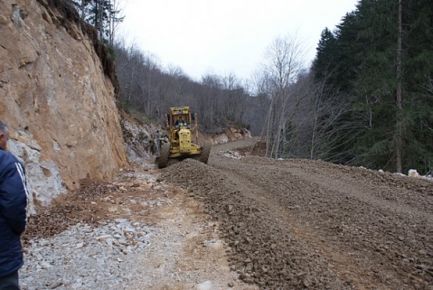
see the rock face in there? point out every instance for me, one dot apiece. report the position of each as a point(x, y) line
point(138, 138)
point(56, 99)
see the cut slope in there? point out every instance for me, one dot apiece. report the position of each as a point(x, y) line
point(57, 99)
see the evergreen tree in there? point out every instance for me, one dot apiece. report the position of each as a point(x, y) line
point(101, 14)
point(359, 63)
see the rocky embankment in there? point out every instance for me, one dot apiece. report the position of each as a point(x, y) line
point(58, 98)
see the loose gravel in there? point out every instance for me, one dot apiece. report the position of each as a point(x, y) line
point(308, 224)
point(86, 257)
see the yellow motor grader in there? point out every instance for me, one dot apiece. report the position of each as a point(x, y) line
point(178, 144)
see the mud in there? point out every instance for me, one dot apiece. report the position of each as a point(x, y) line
point(309, 224)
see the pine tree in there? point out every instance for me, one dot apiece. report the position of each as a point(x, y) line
point(366, 65)
point(101, 14)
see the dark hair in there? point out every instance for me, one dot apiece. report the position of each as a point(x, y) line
point(3, 127)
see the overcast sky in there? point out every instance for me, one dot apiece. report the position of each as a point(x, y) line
point(225, 36)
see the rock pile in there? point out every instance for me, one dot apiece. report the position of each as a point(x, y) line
point(73, 209)
point(232, 154)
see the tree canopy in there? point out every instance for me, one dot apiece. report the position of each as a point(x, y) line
point(359, 62)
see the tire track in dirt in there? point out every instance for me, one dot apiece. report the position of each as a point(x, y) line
point(303, 224)
point(373, 235)
point(344, 266)
point(407, 193)
point(263, 248)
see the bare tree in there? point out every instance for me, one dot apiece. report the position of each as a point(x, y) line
point(115, 18)
point(147, 87)
point(284, 64)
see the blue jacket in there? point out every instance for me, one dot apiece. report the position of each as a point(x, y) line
point(13, 203)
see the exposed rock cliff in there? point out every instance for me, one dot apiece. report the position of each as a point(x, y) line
point(56, 98)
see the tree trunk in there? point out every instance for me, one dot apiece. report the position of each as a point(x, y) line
point(399, 137)
point(315, 116)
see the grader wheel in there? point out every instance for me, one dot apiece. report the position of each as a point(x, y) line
point(204, 156)
point(164, 154)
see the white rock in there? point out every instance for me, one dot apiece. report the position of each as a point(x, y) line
point(214, 244)
point(232, 154)
point(103, 237)
point(43, 176)
point(207, 285)
point(413, 173)
point(221, 139)
point(45, 265)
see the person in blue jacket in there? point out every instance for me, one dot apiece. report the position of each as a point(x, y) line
point(13, 203)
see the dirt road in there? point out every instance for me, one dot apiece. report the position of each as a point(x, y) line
point(132, 233)
point(310, 224)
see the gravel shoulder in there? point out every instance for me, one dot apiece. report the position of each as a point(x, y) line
point(134, 233)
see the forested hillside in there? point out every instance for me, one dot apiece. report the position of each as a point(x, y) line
point(220, 101)
point(368, 98)
point(380, 67)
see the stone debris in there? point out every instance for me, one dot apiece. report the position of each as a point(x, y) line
point(139, 141)
point(86, 257)
point(414, 174)
point(221, 139)
point(232, 154)
point(74, 209)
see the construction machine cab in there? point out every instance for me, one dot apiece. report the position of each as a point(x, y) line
point(181, 129)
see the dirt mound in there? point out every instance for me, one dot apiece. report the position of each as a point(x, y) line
point(261, 249)
point(90, 205)
point(65, 211)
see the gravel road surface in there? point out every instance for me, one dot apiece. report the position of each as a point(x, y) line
point(294, 224)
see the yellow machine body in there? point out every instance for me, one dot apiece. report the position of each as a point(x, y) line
point(182, 144)
point(181, 126)
point(182, 133)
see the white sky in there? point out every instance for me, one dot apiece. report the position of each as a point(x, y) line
point(225, 36)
